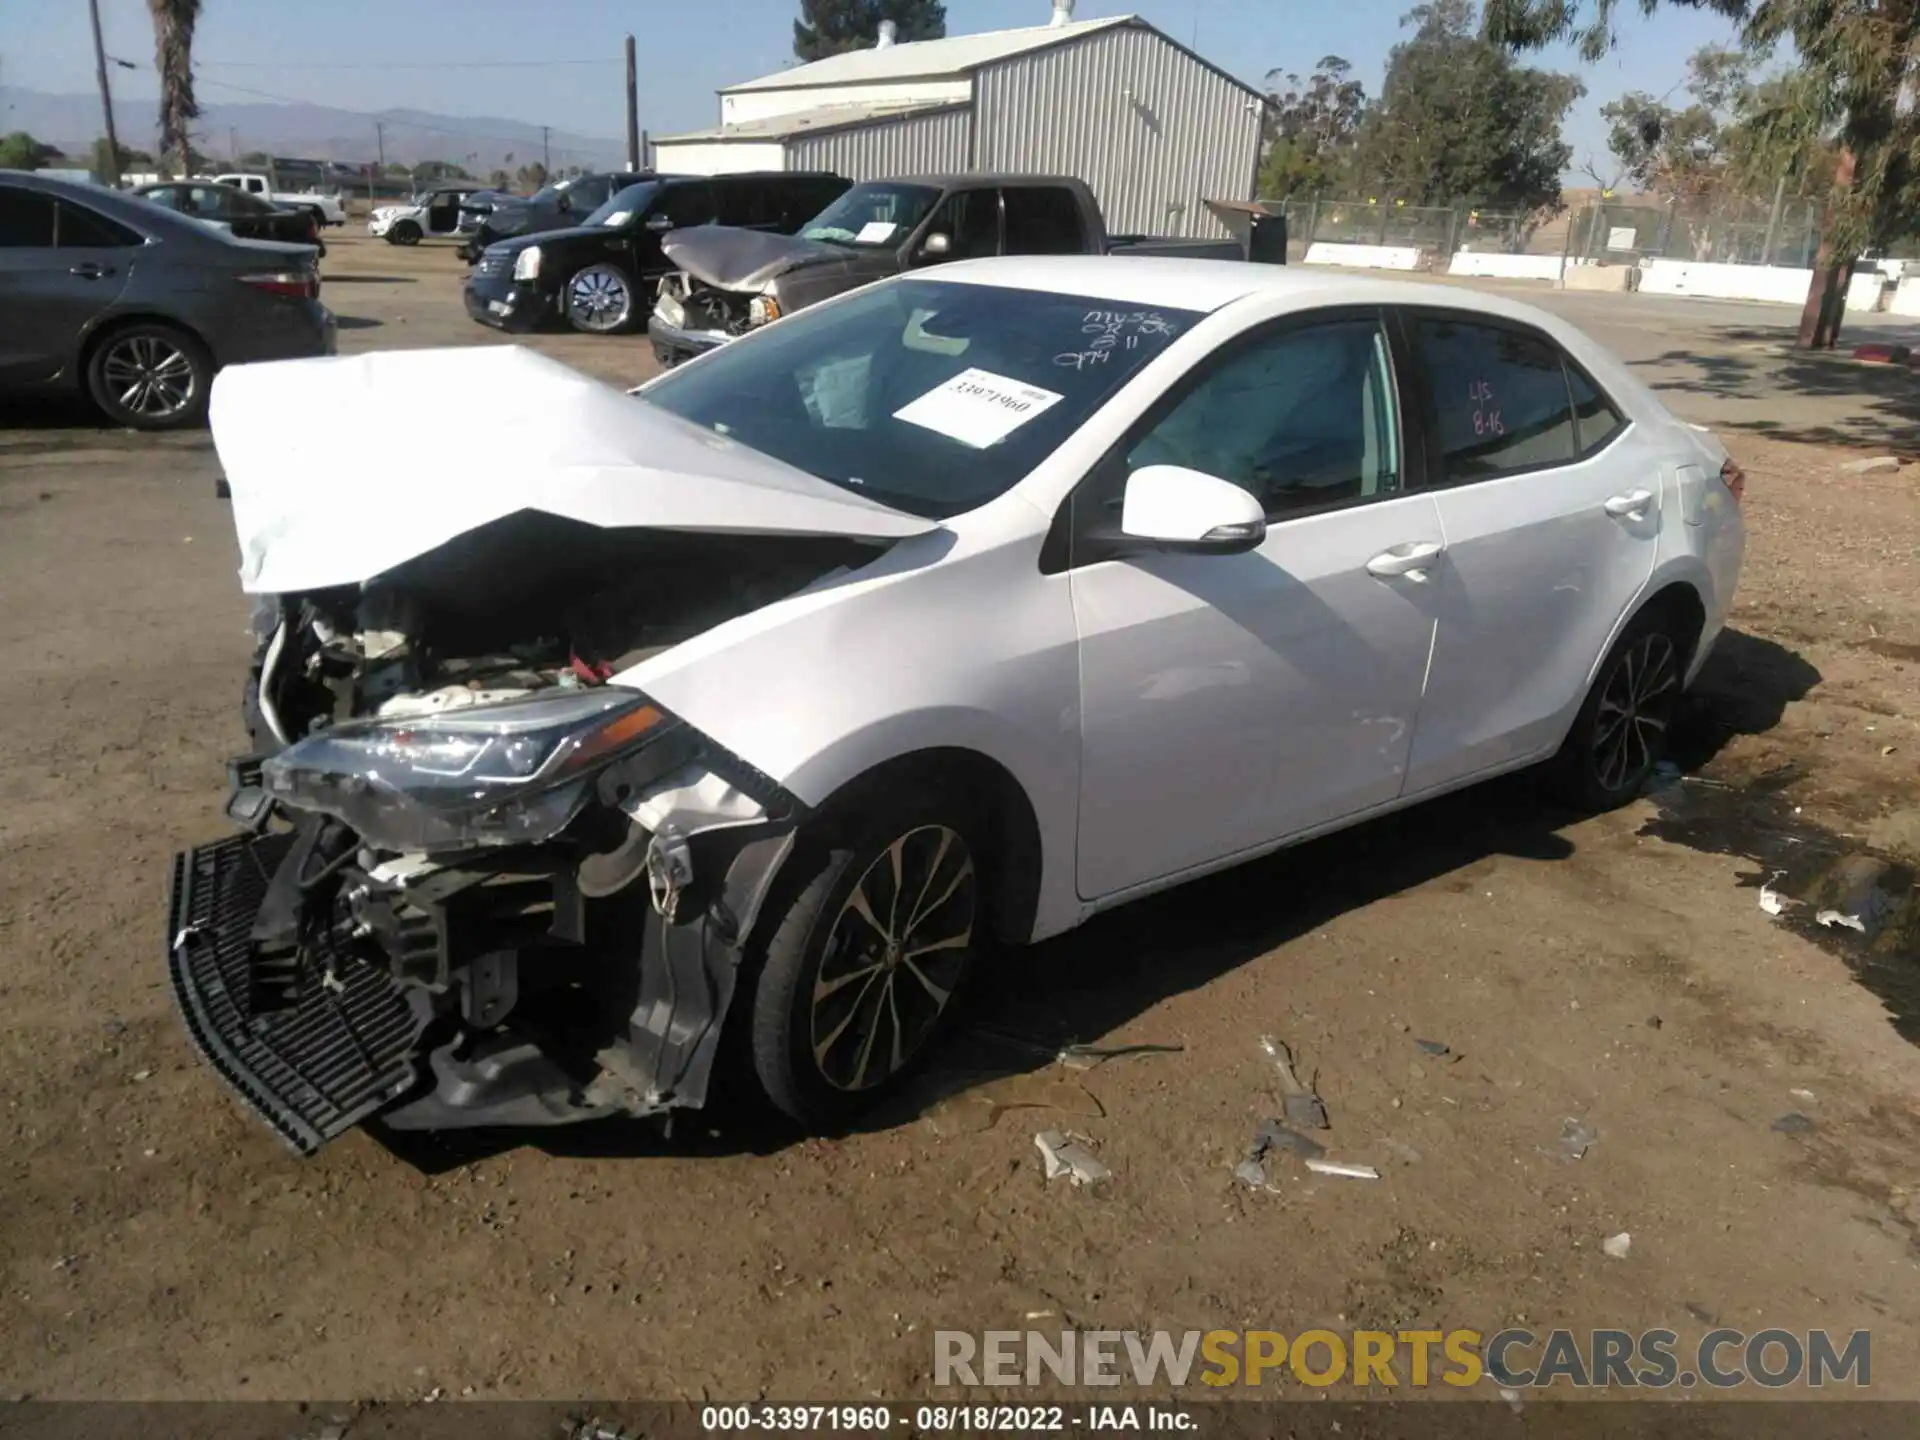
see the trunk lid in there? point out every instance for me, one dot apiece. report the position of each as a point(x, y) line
point(538, 436)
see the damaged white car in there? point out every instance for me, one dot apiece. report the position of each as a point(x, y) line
point(948, 612)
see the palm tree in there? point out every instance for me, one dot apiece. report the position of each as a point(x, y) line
point(173, 22)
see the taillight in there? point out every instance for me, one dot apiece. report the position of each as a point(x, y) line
point(1735, 479)
point(294, 284)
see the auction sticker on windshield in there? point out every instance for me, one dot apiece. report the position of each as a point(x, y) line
point(876, 232)
point(977, 407)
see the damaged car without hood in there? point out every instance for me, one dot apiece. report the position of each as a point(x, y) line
point(952, 612)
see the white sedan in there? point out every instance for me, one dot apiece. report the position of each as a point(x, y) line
point(950, 612)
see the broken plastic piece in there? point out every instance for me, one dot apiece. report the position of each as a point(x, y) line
point(1831, 918)
point(1251, 1173)
point(1085, 1057)
point(1576, 1138)
point(1343, 1168)
point(1771, 900)
point(1434, 1047)
point(1301, 1105)
point(1793, 1123)
point(1066, 1157)
point(1617, 1245)
point(1272, 1135)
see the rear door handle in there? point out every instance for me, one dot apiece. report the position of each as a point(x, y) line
point(1410, 559)
point(87, 270)
point(1630, 506)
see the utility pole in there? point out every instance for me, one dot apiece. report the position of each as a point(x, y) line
point(112, 177)
point(546, 152)
point(633, 109)
point(380, 170)
point(233, 145)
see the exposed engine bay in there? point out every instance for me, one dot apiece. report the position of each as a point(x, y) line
point(478, 885)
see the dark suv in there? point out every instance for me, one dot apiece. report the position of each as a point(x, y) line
point(601, 275)
point(552, 207)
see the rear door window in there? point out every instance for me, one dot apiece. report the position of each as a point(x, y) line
point(26, 218)
point(1042, 220)
point(1497, 396)
point(84, 229)
point(746, 202)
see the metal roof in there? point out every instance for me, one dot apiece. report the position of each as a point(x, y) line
point(954, 56)
point(816, 121)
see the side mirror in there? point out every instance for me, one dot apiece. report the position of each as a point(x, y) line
point(659, 222)
point(935, 245)
point(1190, 512)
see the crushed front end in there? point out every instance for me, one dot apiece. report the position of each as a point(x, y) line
point(475, 884)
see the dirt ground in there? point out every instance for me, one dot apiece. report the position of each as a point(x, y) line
point(156, 1242)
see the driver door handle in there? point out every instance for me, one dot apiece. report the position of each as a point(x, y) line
point(87, 270)
point(1410, 559)
point(1630, 506)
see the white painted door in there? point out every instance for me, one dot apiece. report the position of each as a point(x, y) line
point(1551, 508)
point(1230, 700)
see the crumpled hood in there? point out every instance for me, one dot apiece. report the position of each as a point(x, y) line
point(342, 468)
point(735, 259)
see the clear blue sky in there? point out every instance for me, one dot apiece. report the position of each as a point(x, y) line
point(689, 48)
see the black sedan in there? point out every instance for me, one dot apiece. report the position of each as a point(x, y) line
point(110, 296)
point(246, 216)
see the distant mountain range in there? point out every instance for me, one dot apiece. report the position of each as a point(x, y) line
point(318, 132)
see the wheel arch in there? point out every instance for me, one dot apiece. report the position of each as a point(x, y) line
point(111, 324)
point(1681, 590)
point(1013, 825)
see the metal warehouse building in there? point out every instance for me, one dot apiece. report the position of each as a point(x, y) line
point(1152, 127)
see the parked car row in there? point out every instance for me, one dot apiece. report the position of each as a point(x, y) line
point(700, 260)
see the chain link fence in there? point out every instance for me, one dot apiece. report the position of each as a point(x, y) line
point(1620, 231)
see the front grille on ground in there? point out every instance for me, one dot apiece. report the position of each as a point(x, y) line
point(314, 1067)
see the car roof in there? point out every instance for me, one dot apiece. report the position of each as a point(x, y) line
point(1209, 285)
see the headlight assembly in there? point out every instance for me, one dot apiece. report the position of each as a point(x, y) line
point(762, 310)
point(526, 264)
point(509, 774)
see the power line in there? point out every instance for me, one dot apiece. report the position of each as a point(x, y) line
point(398, 64)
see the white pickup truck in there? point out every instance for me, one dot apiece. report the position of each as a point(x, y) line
point(327, 207)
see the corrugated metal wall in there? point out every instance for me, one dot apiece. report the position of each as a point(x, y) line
point(911, 146)
point(1133, 115)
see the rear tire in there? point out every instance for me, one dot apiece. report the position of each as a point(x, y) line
point(150, 376)
point(404, 232)
point(1623, 728)
point(861, 973)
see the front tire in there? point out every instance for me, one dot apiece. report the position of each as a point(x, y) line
point(601, 300)
point(863, 965)
point(1622, 731)
point(404, 232)
point(150, 377)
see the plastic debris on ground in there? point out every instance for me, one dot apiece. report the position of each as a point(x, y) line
point(1085, 1057)
point(1066, 1156)
point(1793, 1123)
point(1771, 900)
point(1836, 917)
point(1576, 1138)
point(1271, 1135)
point(1298, 1102)
point(1251, 1173)
point(1344, 1169)
point(1617, 1245)
point(1434, 1047)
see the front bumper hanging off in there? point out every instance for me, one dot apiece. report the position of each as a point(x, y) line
point(313, 1048)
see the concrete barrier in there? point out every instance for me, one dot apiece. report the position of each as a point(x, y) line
point(1364, 257)
point(1784, 285)
point(1505, 267)
point(1617, 279)
point(1906, 300)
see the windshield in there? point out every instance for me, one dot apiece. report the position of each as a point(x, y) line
point(624, 205)
point(880, 214)
point(550, 194)
point(930, 397)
